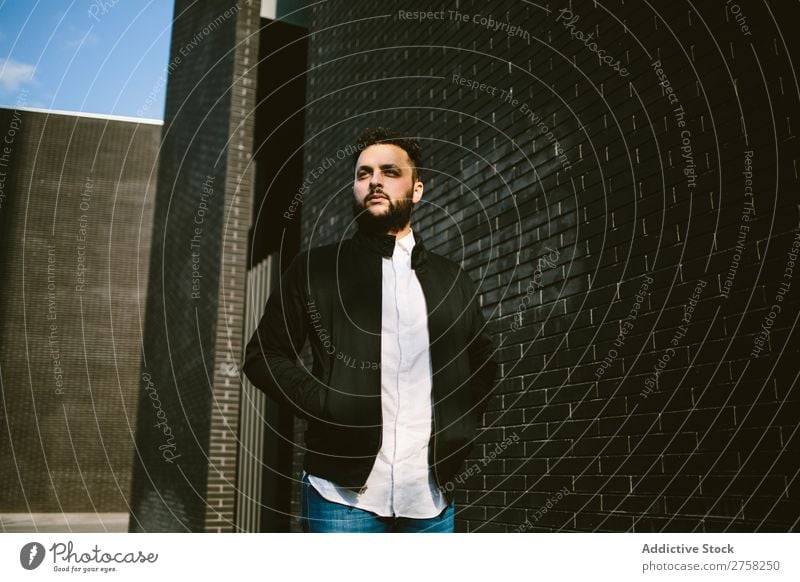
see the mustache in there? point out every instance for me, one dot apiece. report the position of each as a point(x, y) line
point(375, 194)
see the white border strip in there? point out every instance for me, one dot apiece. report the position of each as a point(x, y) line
point(89, 115)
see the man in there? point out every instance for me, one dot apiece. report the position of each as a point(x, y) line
point(402, 363)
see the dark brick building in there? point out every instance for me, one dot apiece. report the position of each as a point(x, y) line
point(214, 460)
point(617, 178)
point(75, 226)
point(620, 180)
point(184, 474)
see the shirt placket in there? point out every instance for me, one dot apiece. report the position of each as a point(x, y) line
point(400, 300)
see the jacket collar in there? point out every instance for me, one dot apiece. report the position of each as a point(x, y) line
point(383, 245)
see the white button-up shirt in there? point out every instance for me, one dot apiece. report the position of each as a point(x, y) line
point(400, 484)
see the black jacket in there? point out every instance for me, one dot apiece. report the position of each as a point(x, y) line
point(331, 295)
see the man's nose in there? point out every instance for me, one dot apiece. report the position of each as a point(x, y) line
point(376, 180)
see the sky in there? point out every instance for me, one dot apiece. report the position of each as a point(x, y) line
point(94, 56)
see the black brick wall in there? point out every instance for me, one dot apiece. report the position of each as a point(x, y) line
point(75, 227)
point(582, 217)
point(180, 462)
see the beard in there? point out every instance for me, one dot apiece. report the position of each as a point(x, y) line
point(395, 218)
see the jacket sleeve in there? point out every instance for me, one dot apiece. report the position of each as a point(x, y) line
point(272, 352)
point(483, 365)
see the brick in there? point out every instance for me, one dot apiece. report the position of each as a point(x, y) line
point(611, 228)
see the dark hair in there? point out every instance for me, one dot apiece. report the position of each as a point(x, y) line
point(384, 135)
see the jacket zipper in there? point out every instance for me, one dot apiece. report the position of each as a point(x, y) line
point(433, 400)
point(378, 450)
point(435, 470)
point(380, 444)
point(363, 489)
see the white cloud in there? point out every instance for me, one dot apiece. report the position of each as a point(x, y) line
point(13, 74)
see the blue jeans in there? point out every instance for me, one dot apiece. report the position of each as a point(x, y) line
point(322, 516)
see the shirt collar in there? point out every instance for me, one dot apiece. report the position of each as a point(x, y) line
point(405, 245)
point(384, 245)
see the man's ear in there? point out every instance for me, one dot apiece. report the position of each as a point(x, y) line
point(418, 188)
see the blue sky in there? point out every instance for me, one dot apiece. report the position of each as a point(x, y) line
point(95, 56)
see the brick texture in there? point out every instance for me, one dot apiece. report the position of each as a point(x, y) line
point(184, 476)
point(628, 274)
point(75, 225)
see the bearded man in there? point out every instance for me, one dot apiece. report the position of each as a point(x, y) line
point(402, 363)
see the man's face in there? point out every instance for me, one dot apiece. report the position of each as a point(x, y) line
point(384, 191)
